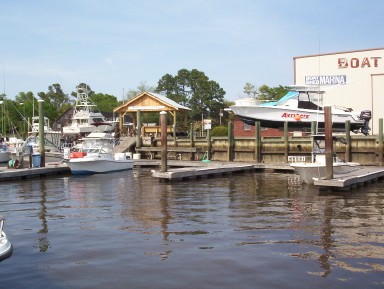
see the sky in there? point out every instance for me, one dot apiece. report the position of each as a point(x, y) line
point(115, 45)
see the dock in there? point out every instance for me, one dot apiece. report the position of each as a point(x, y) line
point(361, 177)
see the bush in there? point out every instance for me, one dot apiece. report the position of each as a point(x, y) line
point(220, 131)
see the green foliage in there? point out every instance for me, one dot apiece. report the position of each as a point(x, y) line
point(193, 89)
point(272, 93)
point(220, 131)
point(105, 102)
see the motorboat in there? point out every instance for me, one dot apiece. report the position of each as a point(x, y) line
point(5, 155)
point(85, 115)
point(300, 107)
point(95, 155)
point(6, 247)
point(315, 167)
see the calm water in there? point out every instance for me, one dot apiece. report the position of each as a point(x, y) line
point(126, 230)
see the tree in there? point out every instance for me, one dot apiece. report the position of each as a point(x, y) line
point(105, 102)
point(272, 93)
point(249, 89)
point(194, 89)
point(142, 87)
point(55, 101)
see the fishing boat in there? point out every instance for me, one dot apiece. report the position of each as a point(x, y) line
point(95, 155)
point(315, 167)
point(6, 248)
point(300, 107)
point(85, 115)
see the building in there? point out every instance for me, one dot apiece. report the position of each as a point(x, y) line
point(353, 79)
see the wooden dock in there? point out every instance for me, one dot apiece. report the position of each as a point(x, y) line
point(363, 176)
point(51, 168)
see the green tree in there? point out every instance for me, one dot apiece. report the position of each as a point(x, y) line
point(272, 93)
point(55, 101)
point(195, 90)
point(142, 87)
point(105, 102)
point(249, 89)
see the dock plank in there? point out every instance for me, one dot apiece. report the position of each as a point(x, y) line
point(359, 177)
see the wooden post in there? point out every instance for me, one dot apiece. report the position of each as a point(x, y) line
point(138, 129)
point(191, 135)
point(230, 151)
point(164, 143)
point(286, 143)
point(41, 133)
point(209, 145)
point(348, 139)
point(328, 142)
point(257, 142)
point(380, 140)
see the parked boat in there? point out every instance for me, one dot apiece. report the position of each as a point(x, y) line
point(96, 155)
point(6, 248)
point(300, 107)
point(315, 167)
point(85, 115)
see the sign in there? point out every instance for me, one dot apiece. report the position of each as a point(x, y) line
point(207, 123)
point(326, 80)
point(364, 62)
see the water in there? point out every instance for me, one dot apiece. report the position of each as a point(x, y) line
point(253, 230)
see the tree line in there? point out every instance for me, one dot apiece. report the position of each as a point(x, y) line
point(190, 88)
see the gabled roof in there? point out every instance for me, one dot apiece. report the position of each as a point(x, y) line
point(150, 101)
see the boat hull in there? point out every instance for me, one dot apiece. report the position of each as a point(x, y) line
point(6, 248)
point(84, 166)
point(86, 129)
point(308, 172)
point(275, 116)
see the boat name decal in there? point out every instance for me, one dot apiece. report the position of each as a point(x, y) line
point(359, 63)
point(326, 80)
point(296, 116)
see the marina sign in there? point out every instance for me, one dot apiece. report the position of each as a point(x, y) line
point(326, 80)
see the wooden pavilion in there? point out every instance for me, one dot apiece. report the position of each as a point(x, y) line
point(150, 102)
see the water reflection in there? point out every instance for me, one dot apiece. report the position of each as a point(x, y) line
point(245, 224)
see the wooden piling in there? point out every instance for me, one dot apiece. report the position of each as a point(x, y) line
point(328, 142)
point(380, 141)
point(348, 139)
point(164, 143)
point(257, 142)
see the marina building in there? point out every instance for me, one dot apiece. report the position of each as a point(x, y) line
point(353, 79)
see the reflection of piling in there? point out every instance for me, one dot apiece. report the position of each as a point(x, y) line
point(328, 142)
point(164, 144)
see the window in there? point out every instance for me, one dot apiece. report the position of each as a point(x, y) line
point(246, 126)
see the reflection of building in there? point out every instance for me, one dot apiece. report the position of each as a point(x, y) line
point(352, 79)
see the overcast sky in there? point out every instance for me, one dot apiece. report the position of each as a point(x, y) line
point(114, 45)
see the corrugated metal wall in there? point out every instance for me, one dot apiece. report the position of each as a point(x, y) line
point(352, 79)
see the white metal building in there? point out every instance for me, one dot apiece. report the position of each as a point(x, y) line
point(352, 79)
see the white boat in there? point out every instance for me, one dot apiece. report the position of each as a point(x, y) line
point(300, 107)
point(5, 155)
point(52, 138)
point(85, 115)
point(6, 248)
point(315, 168)
point(96, 156)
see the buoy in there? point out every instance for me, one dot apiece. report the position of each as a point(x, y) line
point(297, 117)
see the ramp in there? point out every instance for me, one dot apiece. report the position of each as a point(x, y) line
point(125, 144)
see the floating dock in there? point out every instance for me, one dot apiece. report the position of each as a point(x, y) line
point(365, 175)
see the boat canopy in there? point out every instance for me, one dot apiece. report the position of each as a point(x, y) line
point(288, 96)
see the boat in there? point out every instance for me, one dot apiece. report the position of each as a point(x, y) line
point(5, 155)
point(85, 115)
point(315, 168)
point(52, 138)
point(6, 247)
point(300, 107)
point(95, 155)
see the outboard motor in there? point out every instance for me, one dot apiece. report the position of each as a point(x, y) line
point(365, 115)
